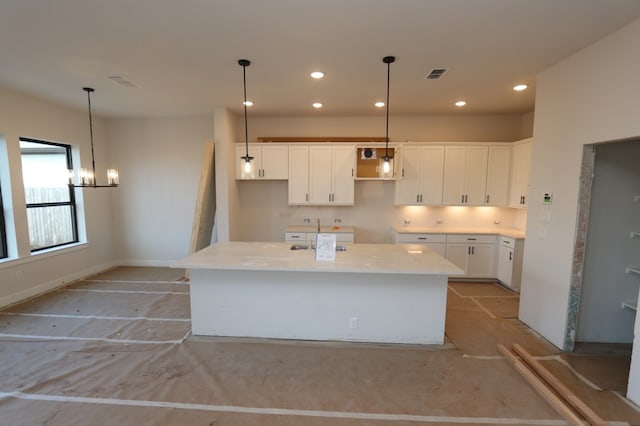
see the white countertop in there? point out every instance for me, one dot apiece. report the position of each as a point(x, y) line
point(323, 229)
point(358, 258)
point(513, 233)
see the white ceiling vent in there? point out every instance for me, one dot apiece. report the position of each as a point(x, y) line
point(122, 80)
point(436, 73)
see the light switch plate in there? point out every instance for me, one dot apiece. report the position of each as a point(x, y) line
point(547, 198)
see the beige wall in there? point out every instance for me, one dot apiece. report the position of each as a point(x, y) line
point(454, 128)
point(575, 106)
point(23, 274)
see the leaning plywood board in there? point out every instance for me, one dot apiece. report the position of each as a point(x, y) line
point(205, 203)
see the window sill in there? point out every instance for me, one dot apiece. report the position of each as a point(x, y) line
point(43, 254)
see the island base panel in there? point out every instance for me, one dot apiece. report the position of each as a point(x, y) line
point(385, 308)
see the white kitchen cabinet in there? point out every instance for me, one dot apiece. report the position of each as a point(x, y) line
point(436, 242)
point(322, 175)
point(420, 181)
point(520, 171)
point(510, 261)
point(298, 174)
point(465, 175)
point(310, 237)
point(498, 176)
point(475, 254)
point(270, 161)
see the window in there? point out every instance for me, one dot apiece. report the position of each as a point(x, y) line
point(51, 209)
point(3, 233)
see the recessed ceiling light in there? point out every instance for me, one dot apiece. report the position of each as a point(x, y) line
point(379, 104)
point(461, 103)
point(248, 103)
point(317, 105)
point(520, 87)
point(317, 74)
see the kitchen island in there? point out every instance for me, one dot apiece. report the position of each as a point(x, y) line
point(388, 293)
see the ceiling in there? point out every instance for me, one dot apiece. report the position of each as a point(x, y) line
point(182, 56)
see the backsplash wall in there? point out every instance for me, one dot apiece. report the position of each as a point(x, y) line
point(265, 214)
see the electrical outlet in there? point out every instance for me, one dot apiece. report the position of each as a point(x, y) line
point(353, 322)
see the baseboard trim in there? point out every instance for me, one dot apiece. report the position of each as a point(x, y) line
point(53, 285)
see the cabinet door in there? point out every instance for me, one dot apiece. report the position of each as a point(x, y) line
point(481, 261)
point(298, 175)
point(475, 176)
point(432, 169)
point(498, 176)
point(505, 264)
point(343, 171)
point(275, 162)
point(454, 173)
point(407, 189)
point(457, 254)
point(241, 151)
point(520, 174)
point(320, 175)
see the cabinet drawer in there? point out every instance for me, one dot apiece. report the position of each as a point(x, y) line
point(420, 238)
point(471, 238)
point(507, 242)
point(295, 236)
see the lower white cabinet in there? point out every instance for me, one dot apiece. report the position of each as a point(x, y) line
point(310, 237)
point(474, 254)
point(510, 261)
point(436, 242)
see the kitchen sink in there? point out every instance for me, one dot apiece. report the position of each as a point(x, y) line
point(307, 247)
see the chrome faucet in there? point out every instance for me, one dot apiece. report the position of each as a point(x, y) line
point(318, 225)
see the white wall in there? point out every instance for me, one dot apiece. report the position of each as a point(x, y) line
point(159, 161)
point(265, 214)
point(24, 275)
point(451, 128)
point(575, 105)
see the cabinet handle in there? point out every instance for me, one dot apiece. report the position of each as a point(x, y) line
point(294, 236)
point(352, 173)
point(420, 197)
point(422, 238)
point(462, 199)
point(487, 199)
point(417, 198)
point(473, 250)
point(402, 172)
point(306, 197)
point(472, 239)
point(510, 255)
point(468, 249)
point(524, 199)
point(465, 199)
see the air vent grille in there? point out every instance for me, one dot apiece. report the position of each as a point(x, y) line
point(436, 73)
point(122, 80)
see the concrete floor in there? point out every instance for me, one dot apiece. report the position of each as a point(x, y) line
point(116, 349)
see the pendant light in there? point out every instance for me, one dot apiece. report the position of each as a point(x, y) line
point(386, 160)
point(86, 177)
point(244, 63)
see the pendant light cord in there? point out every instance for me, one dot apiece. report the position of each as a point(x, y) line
point(245, 63)
point(387, 60)
point(93, 158)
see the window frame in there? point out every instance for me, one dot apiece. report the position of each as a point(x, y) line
point(71, 203)
point(4, 252)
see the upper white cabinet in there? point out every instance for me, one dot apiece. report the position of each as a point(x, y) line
point(420, 180)
point(322, 174)
point(498, 176)
point(520, 171)
point(465, 175)
point(270, 161)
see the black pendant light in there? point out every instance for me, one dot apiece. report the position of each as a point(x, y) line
point(87, 178)
point(244, 63)
point(386, 160)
